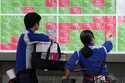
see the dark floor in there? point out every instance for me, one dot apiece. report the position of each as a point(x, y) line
point(117, 71)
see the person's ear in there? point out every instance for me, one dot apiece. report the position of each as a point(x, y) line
point(93, 40)
point(36, 25)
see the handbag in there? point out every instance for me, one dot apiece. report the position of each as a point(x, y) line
point(46, 55)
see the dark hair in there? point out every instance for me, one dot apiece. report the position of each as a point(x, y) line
point(30, 19)
point(86, 38)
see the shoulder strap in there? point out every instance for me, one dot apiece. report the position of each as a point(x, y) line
point(48, 51)
point(78, 56)
point(26, 38)
point(78, 53)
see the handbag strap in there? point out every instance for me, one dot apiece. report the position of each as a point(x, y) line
point(49, 50)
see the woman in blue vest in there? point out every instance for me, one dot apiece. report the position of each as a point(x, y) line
point(90, 58)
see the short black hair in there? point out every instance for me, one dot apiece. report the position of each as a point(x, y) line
point(30, 19)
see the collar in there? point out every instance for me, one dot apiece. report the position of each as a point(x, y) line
point(92, 46)
point(30, 31)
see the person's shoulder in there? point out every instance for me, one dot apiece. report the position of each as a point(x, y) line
point(100, 49)
point(21, 35)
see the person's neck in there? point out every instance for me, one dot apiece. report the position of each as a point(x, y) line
point(32, 29)
point(91, 44)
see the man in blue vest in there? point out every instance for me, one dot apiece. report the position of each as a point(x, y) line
point(25, 73)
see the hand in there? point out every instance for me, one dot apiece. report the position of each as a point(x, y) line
point(65, 77)
point(108, 35)
point(66, 74)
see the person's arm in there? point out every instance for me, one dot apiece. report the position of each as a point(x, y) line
point(66, 73)
point(70, 65)
point(38, 37)
point(108, 43)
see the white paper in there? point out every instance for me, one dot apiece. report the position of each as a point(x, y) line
point(11, 74)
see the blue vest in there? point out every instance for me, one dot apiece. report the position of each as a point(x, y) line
point(94, 65)
point(23, 52)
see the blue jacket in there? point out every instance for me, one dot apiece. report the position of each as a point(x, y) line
point(94, 64)
point(23, 52)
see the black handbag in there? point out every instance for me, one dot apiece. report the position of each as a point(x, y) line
point(42, 59)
